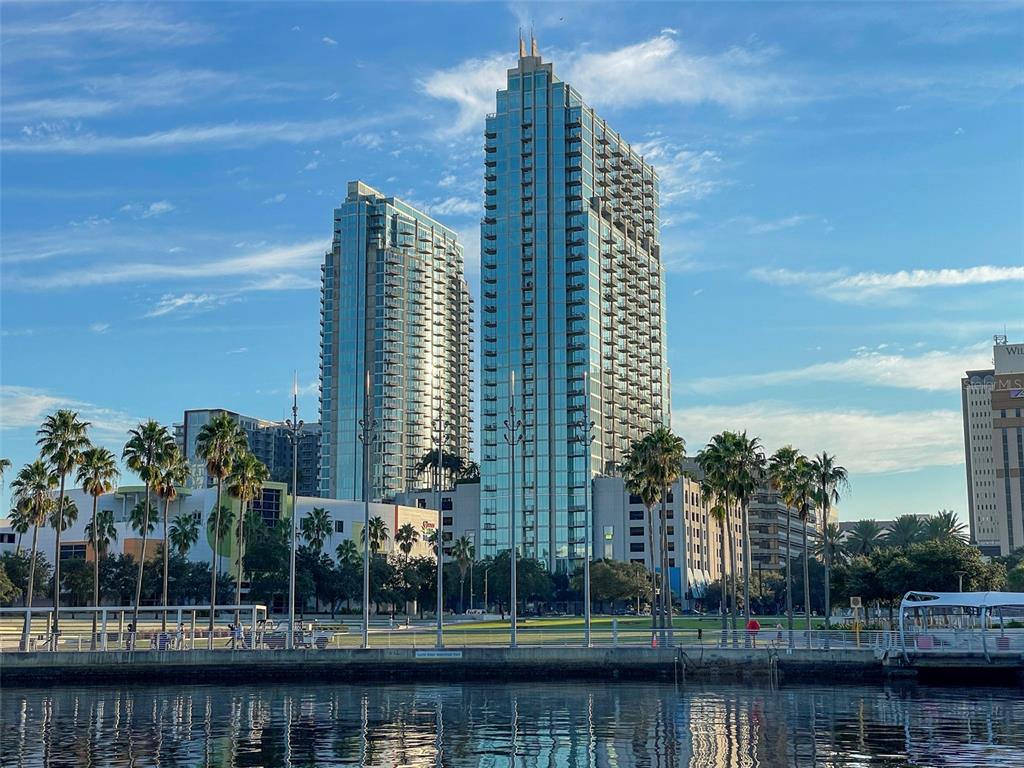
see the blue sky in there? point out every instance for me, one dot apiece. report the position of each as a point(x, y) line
point(843, 207)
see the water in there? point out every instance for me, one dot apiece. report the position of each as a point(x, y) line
point(528, 724)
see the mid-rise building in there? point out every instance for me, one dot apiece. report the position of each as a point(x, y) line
point(573, 311)
point(396, 316)
point(269, 441)
point(993, 402)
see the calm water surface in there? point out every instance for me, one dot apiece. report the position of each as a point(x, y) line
point(570, 724)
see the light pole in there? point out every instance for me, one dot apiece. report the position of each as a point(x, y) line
point(438, 426)
point(513, 436)
point(585, 437)
point(960, 577)
point(367, 427)
point(294, 424)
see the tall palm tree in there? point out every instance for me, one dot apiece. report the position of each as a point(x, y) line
point(225, 523)
point(32, 489)
point(347, 553)
point(5, 464)
point(62, 516)
point(62, 438)
point(97, 473)
point(463, 552)
point(747, 469)
point(245, 483)
point(172, 474)
point(905, 530)
point(830, 479)
point(669, 451)
point(378, 534)
point(102, 530)
point(804, 491)
point(218, 443)
point(20, 519)
point(147, 445)
point(640, 483)
point(317, 527)
point(781, 472)
point(943, 527)
point(450, 466)
point(406, 537)
point(864, 537)
point(184, 533)
point(714, 461)
point(717, 513)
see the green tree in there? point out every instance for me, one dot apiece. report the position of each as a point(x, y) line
point(172, 473)
point(97, 474)
point(245, 483)
point(218, 443)
point(1015, 578)
point(747, 472)
point(905, 530)
point(18, 566)
point(943, 526)
point(317, 527)
point(641, 483)
point(378, 533)
point(101, 530)
point(20, 518)
point(62, 516)
point(62, 439)
point(463, 553)
point(218, 528)
point(864, 538)
point(8, 592)
point(831, 480)
point(147, 445)
point(406, 537)
point(184, 533)
point(452, 466)
point(804, 489)
point(782, 472)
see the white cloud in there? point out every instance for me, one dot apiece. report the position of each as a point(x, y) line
point(278, 198)
point(471, 85)
point(332, 97)
point(686, 173)
point(26, 407)
point(934, 371)
point(328, 40)
point(144, 211)
point(873, 286)
point(299, 256)
point(368, 140)
point(129, 21)
point(455, 206)
point(239, 351)
point(99, 327)
point(189, 303)
point(311, 165)
point(865, 442)
point(447, 180)
point(296, 28)
point(71, 139)
point(765, 227)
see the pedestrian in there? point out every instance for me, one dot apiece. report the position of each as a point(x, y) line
point(131, 636)
point(753, 627)
point(778, 635)
point(179, 636)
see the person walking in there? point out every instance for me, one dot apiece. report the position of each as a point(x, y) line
point(753, 627)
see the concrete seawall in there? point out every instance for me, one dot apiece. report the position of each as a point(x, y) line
point(525, 663)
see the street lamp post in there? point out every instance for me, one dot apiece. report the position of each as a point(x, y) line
point(438, 426)
point(367, 427)
point(585, 437)
point(294, 424)
point(513, 436)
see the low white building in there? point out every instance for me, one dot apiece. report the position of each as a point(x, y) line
point(274, 506)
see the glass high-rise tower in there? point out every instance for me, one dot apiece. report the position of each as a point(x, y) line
point(573, 307)
point(394, 303)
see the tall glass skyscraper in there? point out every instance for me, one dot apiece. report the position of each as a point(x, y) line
point(573, 306)
point(394, 303)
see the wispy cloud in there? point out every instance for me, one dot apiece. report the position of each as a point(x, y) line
point(869, 442)
point(934, 371)
point(766, 227)
point(74, 140)
point(144, 211)
point(874, 286)
point(269, 261)
point(328, 40)
point(114, 21)
point(189, 303)
point(25, 407)
point(454, 206)
point(278, 198)
point(99, 327)
point(686, 173)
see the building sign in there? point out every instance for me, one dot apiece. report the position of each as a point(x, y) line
point(1009, 358)
point(438, 654)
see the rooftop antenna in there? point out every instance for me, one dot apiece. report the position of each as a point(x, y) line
point(533, 42)
point(522, 45)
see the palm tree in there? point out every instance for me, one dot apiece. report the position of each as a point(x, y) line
point(348, 553)
point(830, 479)
point(20, 519)
point(864, 538)
point(62, 438)
point(5, 464)
point(218, 528)
point(172, 474)
point(715, 462)
point(640, 483)
point(781, 471)
point(406, 537)
point(378, 533)
point(184, 533)
point(316, 528)
point(218, 443)
point(747, 469)
point(905, 530)
point(451, 465)
point(245, 483)
point(62, 516)
point(97, 474)
point(32, 489)
point(102, 531)
point(463, 553)
point(144, 452)
point(666, 468)
point(943, 527)
point(804, 490)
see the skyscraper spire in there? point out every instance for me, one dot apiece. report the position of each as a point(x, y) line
point(533, 44)
point(522, 45)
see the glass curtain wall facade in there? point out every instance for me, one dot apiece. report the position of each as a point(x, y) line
point(395, 303)
point(572, 303)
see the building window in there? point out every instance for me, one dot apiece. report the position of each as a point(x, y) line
point(448, 522)
point(635, 546)
point(421, 504)
point(636, 514)
point(6, 538)
point(636, 530)
point(72, 551)
point(635, 499)
point(446, 503)
point(339, 526)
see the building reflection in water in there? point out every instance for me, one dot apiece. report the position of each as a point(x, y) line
point(572, 724)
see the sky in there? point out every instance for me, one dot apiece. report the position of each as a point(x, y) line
point(842, 203)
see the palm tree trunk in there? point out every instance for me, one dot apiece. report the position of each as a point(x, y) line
point(789, 574)
point(59, 519)
point(828, 587)
point(17, 547)
point(213, 565)
point(163, 593)
point(667, 614)
point(31, 585)
point(654, 573)
point(241, 540)
point(732, 574)
point(142, 563)
point(95, 571)
point(807, 583)
point(745, 522)
point(724, 602)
